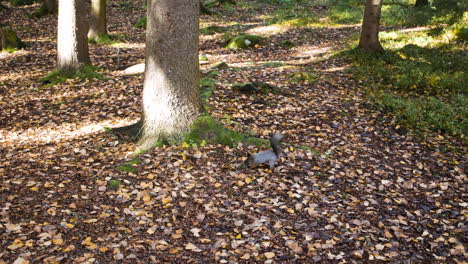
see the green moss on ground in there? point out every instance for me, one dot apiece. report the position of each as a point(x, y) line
point(207, 130)
point(56, 77)
point(245, 41)
point(113, 184)
point(130, 166)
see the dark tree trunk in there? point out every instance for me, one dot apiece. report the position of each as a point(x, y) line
point(98, 19)
point(72, 44)
point(369, 39)
point(420, 3)
point(171, 97)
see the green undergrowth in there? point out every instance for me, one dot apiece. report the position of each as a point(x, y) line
point(56, 77)
point(420, 79)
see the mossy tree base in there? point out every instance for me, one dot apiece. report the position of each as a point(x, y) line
point(85, 72)
point(9, 40)
point(204, 130)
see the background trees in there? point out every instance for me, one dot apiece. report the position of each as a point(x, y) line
point(72, 44)
point(97, 19)
point(369, 39)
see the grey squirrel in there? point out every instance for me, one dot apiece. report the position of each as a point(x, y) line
point(270, 156)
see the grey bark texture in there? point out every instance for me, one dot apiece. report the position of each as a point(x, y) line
point(171, 96)
point(97, 19)
point(369, 39)
point(72, 44)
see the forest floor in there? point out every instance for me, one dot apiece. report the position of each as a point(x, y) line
point(351, 187)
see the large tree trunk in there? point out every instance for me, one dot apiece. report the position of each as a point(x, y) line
point(369, 39)
point(72, 44)
point(420, 3)
point(98, 20)
point(171, 97)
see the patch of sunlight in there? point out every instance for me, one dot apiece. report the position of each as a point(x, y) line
point(268, 30)
point(128, 45)
point(311, 51)
point(11, 55)
point(415, 29)
point(336, 69)
point(51, 132)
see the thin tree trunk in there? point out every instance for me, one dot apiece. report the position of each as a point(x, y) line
point(98, 19)
point(420, 3)
point(72, 45)
point(171, 97)
point(369, 39)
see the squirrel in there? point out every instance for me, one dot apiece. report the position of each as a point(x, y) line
point(270, 156)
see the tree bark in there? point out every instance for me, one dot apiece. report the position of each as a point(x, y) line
point(72, 44)
point(98, 19)
point(171, 96)
point(369, 39)
point(420, 3)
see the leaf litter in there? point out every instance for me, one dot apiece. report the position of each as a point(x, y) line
point(350, 188)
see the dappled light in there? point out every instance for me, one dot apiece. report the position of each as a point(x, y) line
point(370, 168)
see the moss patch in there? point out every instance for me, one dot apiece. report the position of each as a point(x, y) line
point(245, 41)
point(86, 72)
point(113, 184)
point(130, 166)
point(207, 130)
